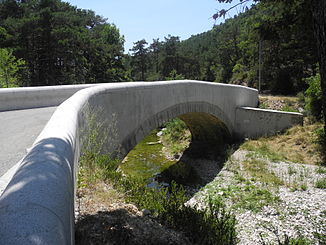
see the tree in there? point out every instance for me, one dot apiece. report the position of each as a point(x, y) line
point(318, 8)
point(9, 67)
point(154, 48)
point(318, 12)
point(170, 55)
point(140, 57)
point(61, 44)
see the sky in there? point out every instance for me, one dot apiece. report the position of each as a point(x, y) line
point(149, 19)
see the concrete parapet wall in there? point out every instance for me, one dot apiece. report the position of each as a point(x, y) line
point(34, 97)
point(37, 206)
point(255, 122)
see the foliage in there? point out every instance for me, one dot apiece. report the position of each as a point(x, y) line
point(229, 52)
point(175, 135)
point(139, 59)
point(61, 44)
point(174, 76)
point(9, 69)
point(314, 96)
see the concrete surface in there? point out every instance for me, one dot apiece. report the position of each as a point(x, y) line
point(19, 129)
point(35, 97)
point(37, 206)
point(255, 122)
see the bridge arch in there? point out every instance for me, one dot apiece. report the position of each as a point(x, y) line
point(206, 122)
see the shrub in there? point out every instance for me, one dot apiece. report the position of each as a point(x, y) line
point(314, 96)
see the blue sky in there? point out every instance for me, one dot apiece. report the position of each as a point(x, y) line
point(148, 19)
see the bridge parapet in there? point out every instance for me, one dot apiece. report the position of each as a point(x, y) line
point(37, 206)
point(35, 97)
point(256, 122)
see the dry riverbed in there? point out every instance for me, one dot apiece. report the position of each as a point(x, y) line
point(269, 207)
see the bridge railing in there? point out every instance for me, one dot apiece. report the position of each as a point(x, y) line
point(35, 97)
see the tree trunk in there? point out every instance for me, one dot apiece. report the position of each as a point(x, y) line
point(319, 18)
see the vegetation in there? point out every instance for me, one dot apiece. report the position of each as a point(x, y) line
point(229, 52)
point(51, 42)
point(9, 68)
point(321, 183)
point(176, 135)
point(167, 204)
point(61, 44)
point(259, 171)
point(314, 96)
point(298, 144)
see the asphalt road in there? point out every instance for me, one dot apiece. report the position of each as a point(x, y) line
point(18, 131)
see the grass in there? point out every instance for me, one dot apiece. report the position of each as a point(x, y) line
point(247, 196)
point(258, 169)
point(261, 147)
point(298, 144)
point(321, 170)
point(321, 183)
point(291, 241)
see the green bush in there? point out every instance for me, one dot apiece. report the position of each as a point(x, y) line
point(175, 129)
point(175, 135)
point(314, 97)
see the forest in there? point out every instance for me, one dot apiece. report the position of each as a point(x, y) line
point(229, 53)
point(50, 42)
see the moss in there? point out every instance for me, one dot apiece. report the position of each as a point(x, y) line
point(146, 159)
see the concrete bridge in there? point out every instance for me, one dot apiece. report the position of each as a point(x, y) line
point(37, 207)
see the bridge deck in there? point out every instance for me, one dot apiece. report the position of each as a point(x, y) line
point(18, 131)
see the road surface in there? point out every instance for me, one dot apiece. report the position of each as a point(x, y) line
point(18, 131)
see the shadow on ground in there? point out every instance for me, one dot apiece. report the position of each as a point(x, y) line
point(121, 226)
point(199, 164)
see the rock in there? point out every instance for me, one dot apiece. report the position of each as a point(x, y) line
point(153, 143)
point(146, 212)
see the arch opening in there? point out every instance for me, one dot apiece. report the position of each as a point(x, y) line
point(210, 136)
point(207, 123)
point(209, 140)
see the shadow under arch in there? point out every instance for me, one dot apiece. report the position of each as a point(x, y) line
point(208, 124)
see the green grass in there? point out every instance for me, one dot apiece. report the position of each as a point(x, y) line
point(321, 170)
point(321, 183)
point(300, 144)
point(289, 108)
point(262, 149)
point(248, 196)
point(258, 169)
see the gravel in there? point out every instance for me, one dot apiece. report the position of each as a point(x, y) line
point(300, 211)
